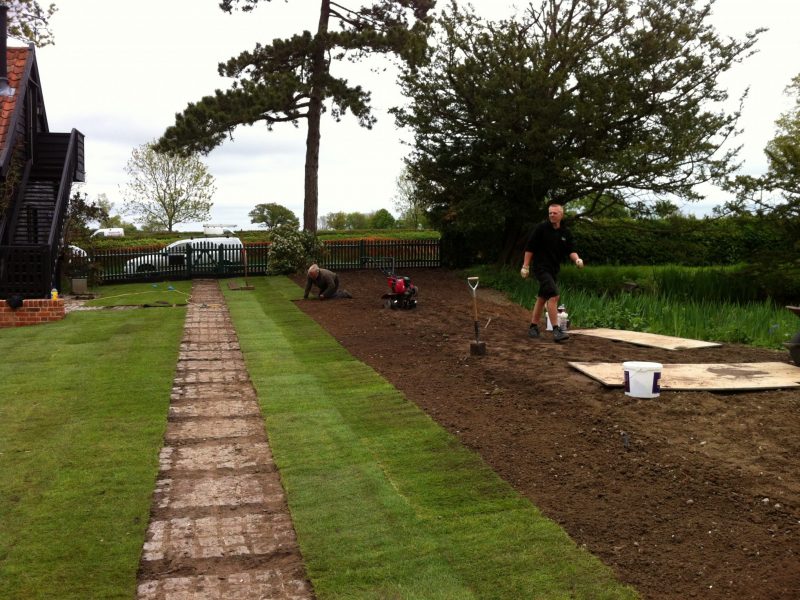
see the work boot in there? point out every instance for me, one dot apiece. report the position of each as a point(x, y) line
point(533, 331)
point(559, 335)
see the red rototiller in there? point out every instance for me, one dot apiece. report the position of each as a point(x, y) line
point(402, 293)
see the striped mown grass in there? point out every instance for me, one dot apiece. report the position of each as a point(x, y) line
point(386, 503)
point(83, 407)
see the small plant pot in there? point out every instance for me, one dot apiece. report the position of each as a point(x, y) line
point(79, 285)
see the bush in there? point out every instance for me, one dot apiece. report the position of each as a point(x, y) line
point(292, 251)
point(679, 240)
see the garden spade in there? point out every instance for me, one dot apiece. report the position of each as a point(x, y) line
point(476, 348)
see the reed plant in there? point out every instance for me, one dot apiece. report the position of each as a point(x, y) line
point(679, 301)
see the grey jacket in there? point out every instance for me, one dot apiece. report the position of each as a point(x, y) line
point(326, 281)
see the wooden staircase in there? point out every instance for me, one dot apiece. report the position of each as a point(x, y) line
point(35, 218)
point(34, 233)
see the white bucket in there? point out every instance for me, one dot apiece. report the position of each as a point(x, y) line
point(642, 379)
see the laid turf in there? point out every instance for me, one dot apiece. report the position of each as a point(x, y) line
point(162, 293)
point(83, 406)
point(386, 503)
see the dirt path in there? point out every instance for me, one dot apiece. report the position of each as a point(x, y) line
point(219, 525)
point(695, 494)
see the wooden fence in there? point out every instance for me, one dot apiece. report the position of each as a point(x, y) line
point(201, 259)
point(363, 254)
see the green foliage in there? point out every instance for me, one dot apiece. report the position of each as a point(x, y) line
point(109, 220)
point(273, 215)
point(79, 450)
point(757, 194)
point(783, 154)
point(290, 79)
point(408, 202)
point(605, 206)
point(146, 240)
point(80, 212)
point(678, 301)
point(737, 283)
point(292, 251)
point(389, 234)
point(29, 22)
point(385, 502)
point(356, 220)
point(9, 184)
point(334, 220)
point(568, 101)
point(382, 219)
point(166, 189)
point(683, 240)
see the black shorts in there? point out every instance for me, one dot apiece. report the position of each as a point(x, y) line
point(547, 284)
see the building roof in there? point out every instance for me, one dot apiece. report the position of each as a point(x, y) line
point(17, 60)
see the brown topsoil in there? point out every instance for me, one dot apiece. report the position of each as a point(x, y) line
point(691, 494)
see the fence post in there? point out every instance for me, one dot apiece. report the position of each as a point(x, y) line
point(189, 260)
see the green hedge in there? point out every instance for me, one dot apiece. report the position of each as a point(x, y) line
point(684, 241)
point(766, 250)
point(251, 235)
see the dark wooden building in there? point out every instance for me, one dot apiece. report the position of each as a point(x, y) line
point(37, 170)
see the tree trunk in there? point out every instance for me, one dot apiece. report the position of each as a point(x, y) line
point(319, 69)
point(514, 238)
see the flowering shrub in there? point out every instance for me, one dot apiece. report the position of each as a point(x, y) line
point(292, 251)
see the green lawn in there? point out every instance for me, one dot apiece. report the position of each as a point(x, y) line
point(82, 416)
point(387, 504)
point(164, 293)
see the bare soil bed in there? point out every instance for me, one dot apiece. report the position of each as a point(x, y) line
point(692, 494)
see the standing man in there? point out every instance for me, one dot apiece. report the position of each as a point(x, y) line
point(326, 281)
point(549, 243)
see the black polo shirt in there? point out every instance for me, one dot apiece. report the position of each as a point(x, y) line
point(549, 246)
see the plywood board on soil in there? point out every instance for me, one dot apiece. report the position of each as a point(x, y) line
point(639, 338)
point(719, 376)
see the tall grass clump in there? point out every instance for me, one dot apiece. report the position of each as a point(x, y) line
point(679, 301)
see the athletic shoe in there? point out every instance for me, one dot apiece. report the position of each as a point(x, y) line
point(533, 331)
point(559, 335)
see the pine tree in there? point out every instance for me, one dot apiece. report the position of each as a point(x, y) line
point(290, 79)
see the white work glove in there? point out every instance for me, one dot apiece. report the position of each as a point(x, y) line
point(579, 263)
point(524, 271)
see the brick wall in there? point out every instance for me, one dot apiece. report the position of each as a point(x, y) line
point(32, 312)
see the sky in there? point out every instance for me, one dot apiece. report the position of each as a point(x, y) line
point(119, 71)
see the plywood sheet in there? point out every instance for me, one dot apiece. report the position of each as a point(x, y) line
point(653, 340)
point(713, 376)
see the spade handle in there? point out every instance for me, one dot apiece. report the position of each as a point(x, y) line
point(473, 284)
